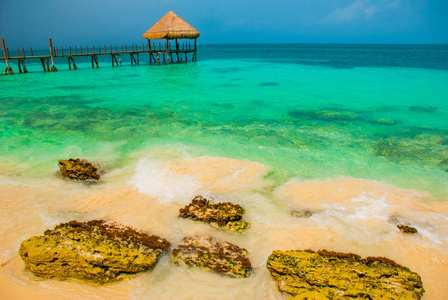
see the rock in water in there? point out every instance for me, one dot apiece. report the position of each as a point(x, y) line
point(334, 275)
point(223, 215)
point(212, 255)
point(95, 252)
point(406, 228)
point(78, 169)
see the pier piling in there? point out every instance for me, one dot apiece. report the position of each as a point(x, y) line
point(8, 69)
point(53, 68)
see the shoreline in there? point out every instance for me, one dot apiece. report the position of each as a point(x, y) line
point(349, 215)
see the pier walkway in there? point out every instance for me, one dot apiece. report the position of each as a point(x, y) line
point(161, 53)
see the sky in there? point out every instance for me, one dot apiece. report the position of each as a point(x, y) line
point(30, 23)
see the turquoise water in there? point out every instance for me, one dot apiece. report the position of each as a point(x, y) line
point(306, 111)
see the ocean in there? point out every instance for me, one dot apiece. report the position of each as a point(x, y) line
point(355, 134)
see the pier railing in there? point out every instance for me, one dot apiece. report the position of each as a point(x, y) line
point(158, 53)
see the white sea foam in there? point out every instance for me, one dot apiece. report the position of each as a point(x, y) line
point(156, 179)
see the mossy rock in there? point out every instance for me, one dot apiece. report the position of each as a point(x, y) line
point(221, 215)
point(94, 252)
point(337, 275)
point(406, 228)
point(210, 254)
point(78, 169)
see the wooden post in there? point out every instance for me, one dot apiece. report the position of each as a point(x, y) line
point(126, 47)
point(93, 49)
point(23, 51)
point(53, 68)
point(69, 64)
point(31, 51)
point(149, 43)
point(74, 65)
point(119, 59)
point(43, 64)
point(62, 50)
point(24, 66)
point(195, 44)
point(87, 49)
point(18, 54)
point(20, 68)
point(110, 48)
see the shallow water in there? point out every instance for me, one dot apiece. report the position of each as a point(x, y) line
point(278, 129)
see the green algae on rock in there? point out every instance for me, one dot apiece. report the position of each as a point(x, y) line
point(211, 255)
point(335, 275)
point(94, 252)
point(78, 169)
point(222, 215)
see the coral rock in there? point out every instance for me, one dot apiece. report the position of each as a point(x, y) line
point(78, 169)
point(223, 215)
point(337, 275)
point(211, 255)
point(407, 229)
point(94, 252)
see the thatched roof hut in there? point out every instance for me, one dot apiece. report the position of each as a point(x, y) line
point(171, 26)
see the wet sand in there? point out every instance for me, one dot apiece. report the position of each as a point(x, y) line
point(349, 215)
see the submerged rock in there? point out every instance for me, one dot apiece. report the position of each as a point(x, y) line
point(78, 169)
point(223, 215)
point(212, 255)
point(423, 108)
point(406, 228)
point(398, 221)
point(335, 275)
point(95, 252)
point(302, 213)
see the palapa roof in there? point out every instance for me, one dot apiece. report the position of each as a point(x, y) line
point(171, 26)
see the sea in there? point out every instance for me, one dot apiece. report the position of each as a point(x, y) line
point(325, 146)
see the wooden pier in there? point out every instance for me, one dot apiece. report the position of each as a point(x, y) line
point(158, 53)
